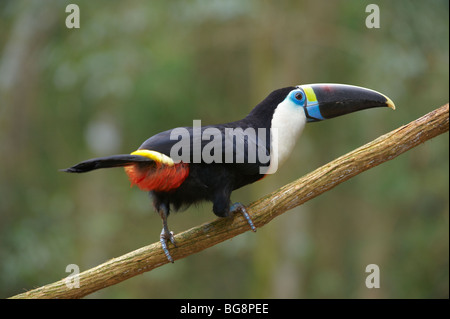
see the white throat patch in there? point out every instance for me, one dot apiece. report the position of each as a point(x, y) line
point(288, 122)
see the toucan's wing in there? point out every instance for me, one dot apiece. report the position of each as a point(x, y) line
point(161, 142)
point(247, 148)
point(233, 144)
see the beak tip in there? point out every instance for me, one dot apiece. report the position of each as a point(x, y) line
point(389, 103)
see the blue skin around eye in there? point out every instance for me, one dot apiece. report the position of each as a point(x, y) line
point(298, 102)
point(312, 109)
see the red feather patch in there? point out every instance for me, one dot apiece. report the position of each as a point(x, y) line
point(157, 178)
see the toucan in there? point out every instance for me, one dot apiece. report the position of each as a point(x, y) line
point(186, 165)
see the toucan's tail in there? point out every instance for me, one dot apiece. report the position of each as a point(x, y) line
point(106, 162)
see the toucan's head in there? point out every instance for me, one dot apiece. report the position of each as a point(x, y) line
point(290, 108)
point(325, 101)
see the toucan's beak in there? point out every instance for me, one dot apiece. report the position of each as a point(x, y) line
point(325, 101)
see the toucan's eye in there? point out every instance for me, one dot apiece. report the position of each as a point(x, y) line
point(299, 96)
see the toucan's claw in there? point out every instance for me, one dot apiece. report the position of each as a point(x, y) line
point(164, 238)
point(240, 207)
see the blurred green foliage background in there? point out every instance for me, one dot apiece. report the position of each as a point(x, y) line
point(136, 68)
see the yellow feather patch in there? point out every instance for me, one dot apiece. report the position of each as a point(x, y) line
point(156, 156)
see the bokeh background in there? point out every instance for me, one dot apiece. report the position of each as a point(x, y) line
point(136, 68)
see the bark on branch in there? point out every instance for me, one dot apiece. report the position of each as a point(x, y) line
point(262, 211)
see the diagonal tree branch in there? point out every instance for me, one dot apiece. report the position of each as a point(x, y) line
point(262, 211)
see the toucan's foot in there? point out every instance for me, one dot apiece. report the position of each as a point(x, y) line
point(164, 238)
point(239, 206)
